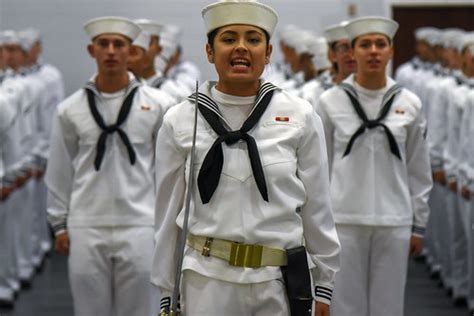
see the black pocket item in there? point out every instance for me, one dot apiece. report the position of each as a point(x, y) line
point(298, 282)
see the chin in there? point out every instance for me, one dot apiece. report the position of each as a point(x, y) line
point(242, 78)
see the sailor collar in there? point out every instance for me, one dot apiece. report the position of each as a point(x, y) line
point(132, 83)
point(206, 100)
point(393, 88)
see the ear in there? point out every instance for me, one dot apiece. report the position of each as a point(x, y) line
point(331, 55)
point(392, 51)
point(269, 53)
point(91, 50)
point(210, 53)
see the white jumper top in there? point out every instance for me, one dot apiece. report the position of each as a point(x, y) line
point(119, 193)
point(371, 186)
point(293, 156)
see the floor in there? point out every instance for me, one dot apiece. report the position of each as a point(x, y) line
point(49, 294)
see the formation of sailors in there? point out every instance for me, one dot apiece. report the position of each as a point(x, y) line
point(442, 75)
point(29, 93)
point(106, 179)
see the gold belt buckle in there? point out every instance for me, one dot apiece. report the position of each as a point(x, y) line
point(244, 255)
point(206, 249)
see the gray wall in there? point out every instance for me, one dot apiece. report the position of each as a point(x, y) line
point(61, 22)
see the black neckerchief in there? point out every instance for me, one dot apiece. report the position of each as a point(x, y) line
point(211, 168)
point(459, 80)
point(415, 63)
point(110, 129)
point(387, 101)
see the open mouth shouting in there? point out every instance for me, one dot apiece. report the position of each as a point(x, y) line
point(240, 64)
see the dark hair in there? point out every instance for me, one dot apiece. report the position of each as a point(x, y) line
point(212, 35)
point(355, 39)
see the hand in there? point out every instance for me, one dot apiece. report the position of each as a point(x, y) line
point(20, 181)
point(321, 309)
point(416, 245)
point(440, 177)
point(61, 244)
point(5, 192)
point(453, 186)
point(465, 193)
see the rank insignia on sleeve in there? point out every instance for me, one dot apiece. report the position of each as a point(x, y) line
point(282, 119)
point(146, 107)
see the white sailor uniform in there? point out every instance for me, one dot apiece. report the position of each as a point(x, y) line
point(291, 146)
point(456, 204)
point(104, 198)
point(379, 193)
point(9, 154)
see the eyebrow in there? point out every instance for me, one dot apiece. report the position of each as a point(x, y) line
point(373, 40)
point(246, 33)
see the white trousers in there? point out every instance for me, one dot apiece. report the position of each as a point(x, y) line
point(14, 231)
point(109, 271)
point(459, 246)
point(470, 249)
point(6, 291)
point(203, 296)
point(374, 262)
point(26, 223)
point(445, 234)
point(433, 235)
point(41, 235)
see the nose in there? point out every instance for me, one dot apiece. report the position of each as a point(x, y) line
point(373, 48)
point(241, 45)
point(111, 48)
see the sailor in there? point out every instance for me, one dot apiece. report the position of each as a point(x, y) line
point(457, 207)
point(340, 52)
point(100, 179)
point(438, 241)
point(178, 88)
point(466, 166)
point(48, 79)
point(299, 60)
point(16, 54)
point(177, 68)
point(9, 155)
point(17, 165)
point(380, 175)
point(261, 183)
point(142, 62)
point(280, 71)
point(405, 73)
point(322, 80)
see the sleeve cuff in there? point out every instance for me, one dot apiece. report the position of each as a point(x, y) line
point(437, 165)
point(59, 229)
point(165, 303)
point(452, 178)
point(323, 294)
point(418, 231)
